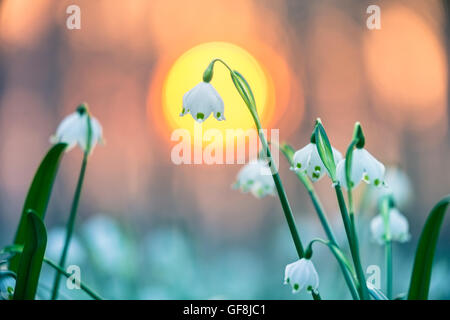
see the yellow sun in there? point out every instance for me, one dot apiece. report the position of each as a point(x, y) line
point(187, 72)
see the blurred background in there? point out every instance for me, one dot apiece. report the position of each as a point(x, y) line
point(149, 229)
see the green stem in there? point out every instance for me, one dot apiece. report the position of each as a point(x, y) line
point(385, 212)
point(323, 219)
point(349, 216)
point(388, 257)
point(318, 207)
point(353, 242)
point(283, 199)
point(84, 287)
point(347, 271)
point(249, 101)
point(70, 226)
point(15, 249)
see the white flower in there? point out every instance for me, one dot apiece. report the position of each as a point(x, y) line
point(256, 178)
point(364, 167)
point(398, 225)
point(7, 285)
point(73, 130)
point(301, 274)
point(201, 101)
point(308, 160)
point(398, 185)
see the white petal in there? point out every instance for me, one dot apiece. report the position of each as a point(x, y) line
point(96, 134)
point(374, 169)
point(201, 101)
point(377, 229)
point(301, 157)
point(399, 226)
point(336, 155)
point(315, 168)
point(68, 130)
point(301, 274)
point(340, 173)
point(256, 178)
point(357, 170)
point(74, 130)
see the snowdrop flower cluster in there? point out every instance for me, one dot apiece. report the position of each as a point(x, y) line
point(74, 130)
point(364, 168)
point(308, 160)
point(301, 274)
point(256, 178)
point(398, 226)
point(201, 101)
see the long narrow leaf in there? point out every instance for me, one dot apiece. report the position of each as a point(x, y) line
point(38, 194)
point(31, 259)
point(423, 262)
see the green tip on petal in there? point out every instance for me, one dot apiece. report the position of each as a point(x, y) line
point(200, 116)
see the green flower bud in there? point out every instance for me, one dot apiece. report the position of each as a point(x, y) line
point(208, 74)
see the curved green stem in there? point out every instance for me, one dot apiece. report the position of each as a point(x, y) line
point(288, 153)
point(15, 249)
point(344, 264)
point(246, 94)
point(70, 225)
point(84, 287)
point(353, 243)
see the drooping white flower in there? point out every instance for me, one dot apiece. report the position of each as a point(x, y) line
point(301, 274)
point(201, 101)
point(398, 225)
point(398, 185)
point(307, 159)
point(364, 167)
point(256, 178)
point(74, 130)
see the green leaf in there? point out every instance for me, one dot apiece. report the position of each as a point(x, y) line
point(325, 151)
point(31, 259)
point(38, 194)
point(244, 89)
point(423, 262)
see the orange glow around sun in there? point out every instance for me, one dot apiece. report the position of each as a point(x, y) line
point(187, 71)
